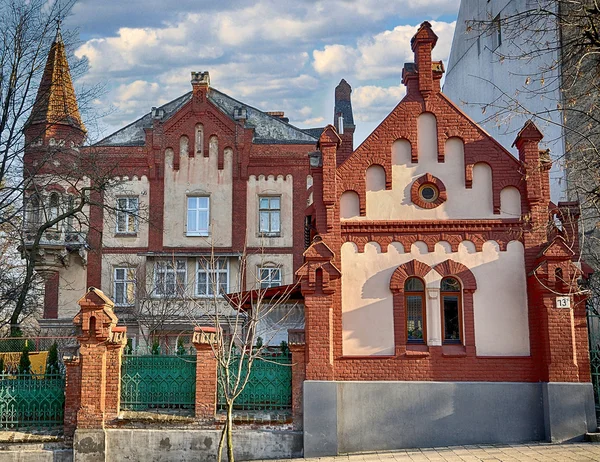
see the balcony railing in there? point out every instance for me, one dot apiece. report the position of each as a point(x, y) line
point(56, 237)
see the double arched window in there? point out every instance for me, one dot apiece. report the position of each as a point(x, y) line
point(414, 302)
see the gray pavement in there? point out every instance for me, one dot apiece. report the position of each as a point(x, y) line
point(479, 453)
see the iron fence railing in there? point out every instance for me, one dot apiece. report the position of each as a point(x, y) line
point(593, 320)
point(30, 402)
point(158, 382)
point(269, 385)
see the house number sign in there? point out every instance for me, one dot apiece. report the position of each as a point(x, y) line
point(563, 302)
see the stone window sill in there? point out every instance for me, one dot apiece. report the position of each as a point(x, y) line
point(454, 351)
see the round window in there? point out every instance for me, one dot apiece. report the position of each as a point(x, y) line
point(428, 192)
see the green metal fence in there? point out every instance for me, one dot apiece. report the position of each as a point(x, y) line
point(269, 386)
point(29, 402)
point(158, 382)
point(594, 337)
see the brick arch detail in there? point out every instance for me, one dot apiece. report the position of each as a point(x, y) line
point(454, 268)
point(403, 272)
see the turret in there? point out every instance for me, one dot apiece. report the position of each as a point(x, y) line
point(55, 118)
point(343, 120)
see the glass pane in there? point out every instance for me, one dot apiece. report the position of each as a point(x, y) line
point(192, 218)
point(264, 274)
point(222, 263)
point(181, 264)
point(414, 285)
point(451, 321)
point(275, 203)
point(131, 224)
point(120, 273)
point(122, 204)
point(119, 293)
point(264, 203)
point(414, 318)
point(264, 222)
point(222, 283)
point(202, 202)
point(131, 274)
point(274, 222)
point(192, 203)
point(201, 289)
point(130, 293)
point(203, 221)
point(450, 285)
point(276, 276)
point(121, 221)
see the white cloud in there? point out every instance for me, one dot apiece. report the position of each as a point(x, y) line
point(382, 55)
point(373, 103)
point(335, 59)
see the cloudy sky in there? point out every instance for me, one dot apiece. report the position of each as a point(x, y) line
point(277, 55)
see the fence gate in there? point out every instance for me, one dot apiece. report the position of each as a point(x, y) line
point(31, 402)
point(593, 320)
point(158, 382)
point(269, 386)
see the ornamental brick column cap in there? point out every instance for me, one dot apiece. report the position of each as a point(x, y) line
point(96, 318)
point(205, 335)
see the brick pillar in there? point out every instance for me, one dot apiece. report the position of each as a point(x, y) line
point(297, 347)
point(72, 394)
point(96, 324)
point(204, 339)
point(114, 355)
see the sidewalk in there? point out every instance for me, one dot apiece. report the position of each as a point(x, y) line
point(514, 453)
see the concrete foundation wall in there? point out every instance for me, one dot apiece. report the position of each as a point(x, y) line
point(177, 445)
point(342, 417)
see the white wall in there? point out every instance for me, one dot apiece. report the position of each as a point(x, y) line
point(396, 204)
point(500, 301)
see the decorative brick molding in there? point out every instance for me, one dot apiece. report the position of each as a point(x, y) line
point(428, 179)
point(403, 272)
point(454, 268)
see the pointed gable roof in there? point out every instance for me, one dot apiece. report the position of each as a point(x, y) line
point(56, 102)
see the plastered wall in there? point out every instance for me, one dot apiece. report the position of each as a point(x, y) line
point(270, 186)
point(461, 203)
point(500, 301)
point(198, 176)
point(71, 284)
point(255, 261)
point(126, 187)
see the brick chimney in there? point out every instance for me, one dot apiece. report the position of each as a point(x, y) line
point(343, 120)
point(425, 72)
point(200, 84)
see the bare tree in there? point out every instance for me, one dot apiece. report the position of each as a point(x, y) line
point(552, 52)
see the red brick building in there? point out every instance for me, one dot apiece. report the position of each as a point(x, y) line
point(439, 283)
point(436, 289)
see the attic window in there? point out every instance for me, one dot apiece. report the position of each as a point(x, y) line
point(428, 192)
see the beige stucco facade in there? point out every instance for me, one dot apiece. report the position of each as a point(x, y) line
point(500, 301)
point(270, 186)
point(127, 187)
point(256, 261)
point(198, 176)
point(71, 284)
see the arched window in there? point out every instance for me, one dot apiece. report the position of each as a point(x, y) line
point(53, 207)
point(33, 211)
point(414, 301)
point(450, 292)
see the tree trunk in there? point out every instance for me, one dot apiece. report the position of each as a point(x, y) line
point(230, 456)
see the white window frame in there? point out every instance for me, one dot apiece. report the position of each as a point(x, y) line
point(269, 213)
point(270, 281)
point(210, 267)
point(127, 281)
point(168, 269)
point(193, 205)
point(127, 215)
